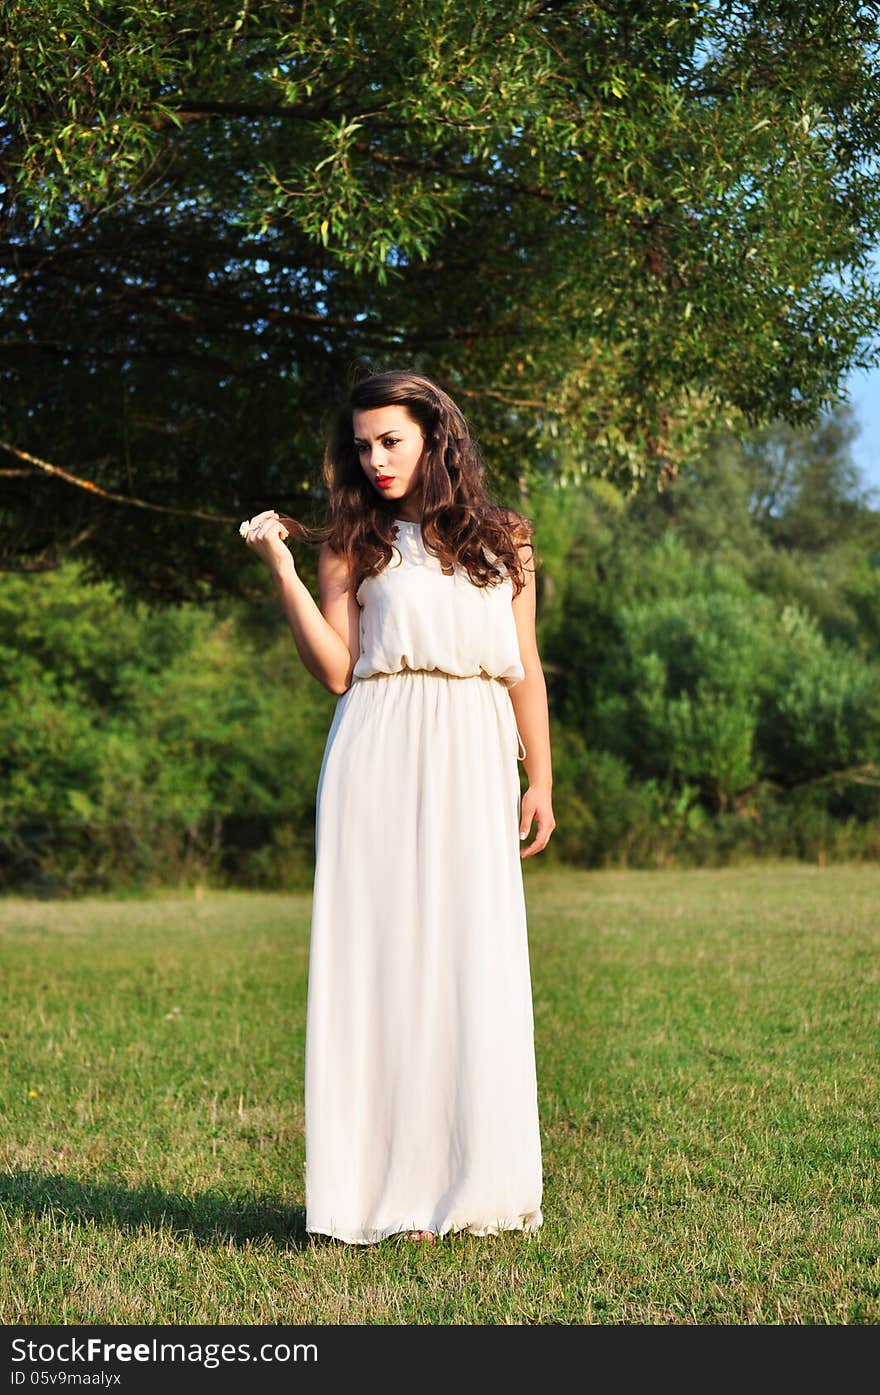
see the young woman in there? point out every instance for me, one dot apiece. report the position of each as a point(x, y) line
point(420, 1083)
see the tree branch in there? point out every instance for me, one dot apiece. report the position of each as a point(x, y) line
point(53, 346)
point(408, 162)
point(44, 563)
point(110, 495)
point(195, 109)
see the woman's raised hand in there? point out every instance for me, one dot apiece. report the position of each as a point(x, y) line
point(265, 534)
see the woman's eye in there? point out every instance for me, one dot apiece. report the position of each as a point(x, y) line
point(391, 441)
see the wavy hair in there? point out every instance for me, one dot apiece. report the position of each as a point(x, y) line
point(460, 521)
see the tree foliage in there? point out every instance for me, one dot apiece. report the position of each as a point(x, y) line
point(712, 697)
point(604, 226)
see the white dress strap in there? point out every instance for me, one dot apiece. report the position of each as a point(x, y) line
point(521, 749)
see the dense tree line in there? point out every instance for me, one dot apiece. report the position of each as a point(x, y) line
point(713, 665)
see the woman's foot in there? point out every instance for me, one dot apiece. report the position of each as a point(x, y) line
point(419, 1235)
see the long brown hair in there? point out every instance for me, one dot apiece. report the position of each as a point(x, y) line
point(460, 521)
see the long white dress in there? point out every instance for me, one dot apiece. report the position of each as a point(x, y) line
point(421, 1105)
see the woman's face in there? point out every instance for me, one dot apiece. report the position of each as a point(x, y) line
point(389, 444)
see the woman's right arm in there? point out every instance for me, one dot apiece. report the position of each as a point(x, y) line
point(327, 639)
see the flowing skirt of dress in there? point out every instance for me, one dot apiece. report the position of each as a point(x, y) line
point(421, 1106)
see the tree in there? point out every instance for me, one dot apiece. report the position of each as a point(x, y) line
point(604, 226)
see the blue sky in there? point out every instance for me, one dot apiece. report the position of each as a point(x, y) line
point(863, 390)
point(864, 393)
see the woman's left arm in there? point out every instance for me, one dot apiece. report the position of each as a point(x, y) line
point(529, 698)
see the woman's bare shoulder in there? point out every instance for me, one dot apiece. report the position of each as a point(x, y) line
point(333, 567)
point(328, 557)
point(521, 528)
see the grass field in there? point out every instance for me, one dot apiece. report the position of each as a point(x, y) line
point(707, 1061)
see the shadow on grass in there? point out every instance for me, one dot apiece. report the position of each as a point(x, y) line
point(207, 1216)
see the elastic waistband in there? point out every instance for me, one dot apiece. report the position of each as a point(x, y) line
point(428, 673)
point(441, 673)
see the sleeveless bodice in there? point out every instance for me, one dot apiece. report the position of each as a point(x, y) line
point(413, 616)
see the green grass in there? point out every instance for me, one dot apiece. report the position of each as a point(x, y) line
point(707, 1060)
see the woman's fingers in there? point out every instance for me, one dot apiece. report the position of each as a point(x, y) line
point(264, 525)
point(265, 534)
point(259, 521)
point(539, 812)
point(542, 838)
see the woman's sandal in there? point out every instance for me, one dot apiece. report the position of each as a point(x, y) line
point(427, 1236)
